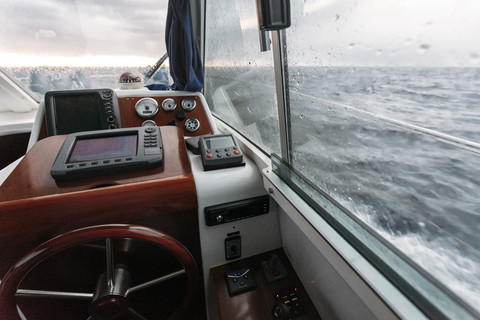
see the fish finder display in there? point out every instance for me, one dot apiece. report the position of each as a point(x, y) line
point(104, 148)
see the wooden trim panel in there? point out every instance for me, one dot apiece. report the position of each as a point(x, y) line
point(34, 208)
point(31, 178)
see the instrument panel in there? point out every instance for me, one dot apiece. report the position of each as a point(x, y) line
point(188, 112)
point(185, 112)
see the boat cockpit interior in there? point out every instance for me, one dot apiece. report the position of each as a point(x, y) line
point(179, 193)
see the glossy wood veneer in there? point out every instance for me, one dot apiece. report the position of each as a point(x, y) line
point(34, 208)
point(31, 178)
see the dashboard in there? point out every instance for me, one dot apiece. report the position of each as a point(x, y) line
point(99, 109)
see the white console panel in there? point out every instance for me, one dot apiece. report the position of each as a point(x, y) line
point(258, 234)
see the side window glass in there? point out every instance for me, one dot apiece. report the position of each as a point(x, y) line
point(239, 79)
point(385, 119)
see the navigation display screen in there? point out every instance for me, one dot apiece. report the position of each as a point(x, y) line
point(103, 148)
point(77, 113)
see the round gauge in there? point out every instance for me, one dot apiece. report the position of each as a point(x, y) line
point(192, 124)
point(169, 104)
point(149, 123)
point(188, 104)
point(146, 107)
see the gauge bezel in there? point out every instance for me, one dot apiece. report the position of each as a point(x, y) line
point(139, 106)
point(165, 106)
point(190, 120)
point(185, 101)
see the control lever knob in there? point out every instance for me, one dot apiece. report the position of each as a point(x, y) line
point(180, 115)
point(280, 311)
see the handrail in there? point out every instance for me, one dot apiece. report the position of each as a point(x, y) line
point(446, 138)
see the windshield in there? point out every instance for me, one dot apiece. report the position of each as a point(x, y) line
point(59, 45)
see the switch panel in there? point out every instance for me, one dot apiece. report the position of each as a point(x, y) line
point(233, 247)
point(240, 281)
point(290, 298)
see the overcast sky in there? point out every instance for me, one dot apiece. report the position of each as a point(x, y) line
point(323, 32)
point(81, 28)
point(386, 32)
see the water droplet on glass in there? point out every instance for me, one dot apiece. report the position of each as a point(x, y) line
point(336, 18)
point(474, 55)
point(379, 52)
point(351, 45)
point(423, 48)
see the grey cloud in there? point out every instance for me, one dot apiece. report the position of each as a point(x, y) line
point(124, 27)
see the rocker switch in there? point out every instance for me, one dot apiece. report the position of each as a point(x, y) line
point(274, 269)
point(233, 247)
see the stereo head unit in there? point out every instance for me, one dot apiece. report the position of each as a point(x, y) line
point(94, 153)
point(81, 110)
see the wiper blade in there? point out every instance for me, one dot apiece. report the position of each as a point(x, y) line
point(155, 67)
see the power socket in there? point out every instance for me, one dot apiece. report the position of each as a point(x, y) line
point(233, 247)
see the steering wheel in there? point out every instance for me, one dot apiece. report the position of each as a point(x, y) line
point(111, 297)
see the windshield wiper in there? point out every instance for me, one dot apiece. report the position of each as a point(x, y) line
point(155, 67)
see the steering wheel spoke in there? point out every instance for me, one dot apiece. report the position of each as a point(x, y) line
point(110, 263)
point(134, 314)
point(53, 294)
point(155, 281)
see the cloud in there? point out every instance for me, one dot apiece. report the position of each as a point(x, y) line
point(83, 28)
point(45, 34)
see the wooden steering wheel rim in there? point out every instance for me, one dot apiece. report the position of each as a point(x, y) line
point(20, 269)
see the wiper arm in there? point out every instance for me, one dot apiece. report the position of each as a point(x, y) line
point(155, 67)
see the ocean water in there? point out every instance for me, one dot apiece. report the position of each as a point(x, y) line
point(358, 134)
point(38, 80)
point(397, 147)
